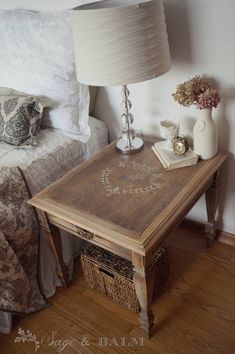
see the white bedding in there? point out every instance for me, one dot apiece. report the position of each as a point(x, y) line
point(50, 140)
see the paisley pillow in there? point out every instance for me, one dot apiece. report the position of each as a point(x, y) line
point(20, 118)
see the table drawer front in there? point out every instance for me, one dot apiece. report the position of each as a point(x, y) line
point(89, 236)
point(74, 229)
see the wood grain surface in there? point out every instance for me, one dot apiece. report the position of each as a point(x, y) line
point(195, 312)
point(130, 197)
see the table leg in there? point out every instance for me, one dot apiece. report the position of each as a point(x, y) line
point(211, 207)
point(52, 235)
point(143, 281)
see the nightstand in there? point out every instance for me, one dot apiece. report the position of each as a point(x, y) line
point(127, 204)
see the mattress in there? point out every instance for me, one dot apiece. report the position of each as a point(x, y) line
point(50, 142)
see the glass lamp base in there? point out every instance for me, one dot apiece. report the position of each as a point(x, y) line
point(123, 147)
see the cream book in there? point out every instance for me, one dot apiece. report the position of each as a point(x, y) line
point(170, 160)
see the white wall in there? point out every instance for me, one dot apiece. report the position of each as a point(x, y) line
point(202, 41)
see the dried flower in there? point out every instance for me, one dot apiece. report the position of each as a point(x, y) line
point(208, 99)
point(197, 91)
point(184, 94)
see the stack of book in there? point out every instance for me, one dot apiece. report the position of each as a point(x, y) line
point(170, 160)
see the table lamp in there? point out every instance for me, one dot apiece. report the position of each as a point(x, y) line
point(120, 43)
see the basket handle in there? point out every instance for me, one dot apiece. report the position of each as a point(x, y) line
point(106, 272)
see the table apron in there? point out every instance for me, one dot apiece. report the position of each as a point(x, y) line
point(174, 220)
point(158, 236)
point(96, 240)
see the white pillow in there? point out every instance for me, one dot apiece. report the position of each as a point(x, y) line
point(37, 57)
point(43, 5)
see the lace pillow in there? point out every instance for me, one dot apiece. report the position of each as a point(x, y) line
point(37, 57)
point(20, 118)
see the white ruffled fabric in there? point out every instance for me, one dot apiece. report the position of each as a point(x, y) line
point(48, 5)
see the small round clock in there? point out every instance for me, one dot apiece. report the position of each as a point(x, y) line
point(180, 145)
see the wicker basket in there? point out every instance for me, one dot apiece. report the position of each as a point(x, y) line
point(113, 276)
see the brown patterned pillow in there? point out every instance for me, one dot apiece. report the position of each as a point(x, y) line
point(20, 118)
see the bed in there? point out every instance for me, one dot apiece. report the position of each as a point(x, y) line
point(39, 166)
point(33, 66)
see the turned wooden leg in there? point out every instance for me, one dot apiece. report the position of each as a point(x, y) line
point(52, 235)
point(143, 281)
point(211, 207)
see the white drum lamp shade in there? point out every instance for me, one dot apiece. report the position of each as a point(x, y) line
point(119, 43)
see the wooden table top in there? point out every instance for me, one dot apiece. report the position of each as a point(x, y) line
point(129, 196)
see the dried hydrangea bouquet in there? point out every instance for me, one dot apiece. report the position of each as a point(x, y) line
point(202, 93)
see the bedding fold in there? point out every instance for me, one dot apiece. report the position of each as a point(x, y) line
point(19, 236)
point(24, 171)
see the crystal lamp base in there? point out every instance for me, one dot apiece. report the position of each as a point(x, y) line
point(124, 147)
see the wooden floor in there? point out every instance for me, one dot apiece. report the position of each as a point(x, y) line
point(195, 313)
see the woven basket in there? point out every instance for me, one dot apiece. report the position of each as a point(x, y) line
point(113, 276)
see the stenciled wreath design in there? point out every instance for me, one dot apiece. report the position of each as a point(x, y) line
point(117, 190)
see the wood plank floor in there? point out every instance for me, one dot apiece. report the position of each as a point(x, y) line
point(195, 313)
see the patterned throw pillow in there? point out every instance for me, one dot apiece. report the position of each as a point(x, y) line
point(20, 118)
